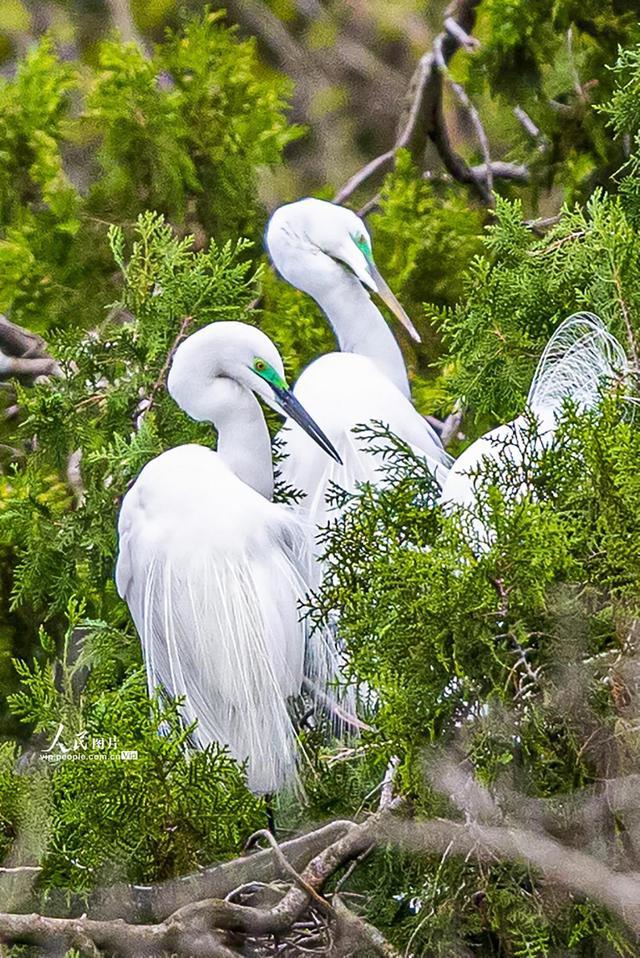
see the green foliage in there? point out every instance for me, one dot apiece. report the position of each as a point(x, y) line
point(503, 656)
point(125, 798)
point(488, 652)
point(185, 131)
point(550, 57)
point(112, 408)
point(25, 809)
point(624, 119)
point(166, 811)
point(623, 108)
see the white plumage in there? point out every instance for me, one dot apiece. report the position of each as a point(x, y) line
point(325, 250)
point(579, 359)
point(213, 572)
point(359, 394)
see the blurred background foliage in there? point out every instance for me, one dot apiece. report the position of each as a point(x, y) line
point(142, 147)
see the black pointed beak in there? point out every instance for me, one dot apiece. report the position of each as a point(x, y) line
point(294, 410)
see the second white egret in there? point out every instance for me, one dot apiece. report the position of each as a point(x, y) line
point(325, 250)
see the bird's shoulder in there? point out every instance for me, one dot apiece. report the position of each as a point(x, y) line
point(349, 381)
point(344, 363)
point(187, 504)
point(189, 492)
point(190, 466)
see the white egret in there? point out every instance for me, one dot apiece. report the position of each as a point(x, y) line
point(325, 250)
point(212, 570)
point(579, 359)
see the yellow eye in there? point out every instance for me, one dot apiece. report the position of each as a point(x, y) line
point(259, 365)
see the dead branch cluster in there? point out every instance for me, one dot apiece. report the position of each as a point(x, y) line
point(424, 121)
point(379, 95)
point(286, 900)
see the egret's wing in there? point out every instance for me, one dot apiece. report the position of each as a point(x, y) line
point(578, 360)
point(459, 486)
point(324, 658)
point(212, 577)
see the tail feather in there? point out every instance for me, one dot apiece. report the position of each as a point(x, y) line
point(578, 360)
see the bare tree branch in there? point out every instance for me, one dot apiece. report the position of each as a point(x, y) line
point(451, 426)
point(559, 864)
point(24, 354)
point(494, 828)
point(381, 163)
point(194, 928)
point(527, 123)
point(157, 902)
point(29, 369)
point(474, 117)
point(116, 937)
point(424, 118)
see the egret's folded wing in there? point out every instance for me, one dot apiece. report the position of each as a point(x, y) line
point(214, 593)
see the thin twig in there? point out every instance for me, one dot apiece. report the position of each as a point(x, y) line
point(627, 319)
point(147, 403)
point(424, 119)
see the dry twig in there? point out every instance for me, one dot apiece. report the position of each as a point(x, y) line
point(424, 118)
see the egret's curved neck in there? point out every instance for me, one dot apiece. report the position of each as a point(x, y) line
point(359, 326)
point(244, 443)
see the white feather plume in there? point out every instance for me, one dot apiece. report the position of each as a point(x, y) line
point(215, 594)
point(578, 361)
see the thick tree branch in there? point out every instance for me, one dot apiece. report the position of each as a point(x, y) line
point(194, 928)
point(116, 937)
point(493, 830)
point(157, 902)
point(24, 354)
point(566, 867)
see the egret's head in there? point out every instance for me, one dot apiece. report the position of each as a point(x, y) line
point(241, 354)
point(326, 230)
